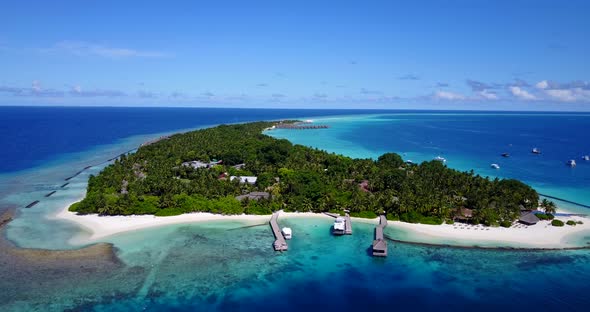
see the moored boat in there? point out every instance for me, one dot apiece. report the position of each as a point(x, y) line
point(505, 155)
point(495, 166)
point(287, 233)
point(339, 226)
point(536, 151)
point(571, 163)
point(586, 157)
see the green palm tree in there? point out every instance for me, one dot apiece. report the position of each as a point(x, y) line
point(548, 206)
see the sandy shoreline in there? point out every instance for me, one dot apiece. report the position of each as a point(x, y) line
point(103, 226)
point(541, 235)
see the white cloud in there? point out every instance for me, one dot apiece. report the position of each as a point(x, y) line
point(36, 86)
point(83, 48)
point(542, 84)
point(569, 95)
point(447, 95)
point(485, 94)
point(521, 93)
point(575, 91)
point(78, 91)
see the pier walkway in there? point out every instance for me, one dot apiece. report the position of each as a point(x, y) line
point(347, 225)
point(300, 126)
point(379, 244)
point(280, 244)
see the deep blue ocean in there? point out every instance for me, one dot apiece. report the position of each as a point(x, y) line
point(32, 135)
point(230, 265)
point(472, 141)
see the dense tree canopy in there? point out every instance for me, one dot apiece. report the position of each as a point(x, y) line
point(154, 181)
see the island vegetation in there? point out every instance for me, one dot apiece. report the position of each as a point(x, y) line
point(159, 179)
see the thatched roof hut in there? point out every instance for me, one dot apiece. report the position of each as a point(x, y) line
point(528, 218)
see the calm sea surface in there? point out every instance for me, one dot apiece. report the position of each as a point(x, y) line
point(230, 266)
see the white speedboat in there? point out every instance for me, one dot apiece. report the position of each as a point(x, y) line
point(441, 159)
point(495, 166)
point(586, 157)
point(339, 226)
point(571, 163)
point(287, 233)
point(536, 151)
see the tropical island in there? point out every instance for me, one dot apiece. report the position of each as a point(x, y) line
point(236, 169)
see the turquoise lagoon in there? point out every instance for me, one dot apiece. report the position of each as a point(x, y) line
point(230, 266)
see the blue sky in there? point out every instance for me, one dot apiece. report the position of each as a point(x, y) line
point(523, 55)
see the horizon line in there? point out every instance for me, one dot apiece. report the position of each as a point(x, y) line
point(300, 108)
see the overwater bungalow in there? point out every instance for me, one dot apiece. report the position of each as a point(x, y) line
point(379, 243)
point(379, 248)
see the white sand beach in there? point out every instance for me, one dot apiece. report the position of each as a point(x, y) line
point(104, 226)
point(541, 235)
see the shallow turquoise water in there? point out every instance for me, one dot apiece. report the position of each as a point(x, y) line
point(226, 266)
point(231, 265)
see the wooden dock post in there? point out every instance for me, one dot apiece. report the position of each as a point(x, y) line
point(379, 244)
point(280, 243)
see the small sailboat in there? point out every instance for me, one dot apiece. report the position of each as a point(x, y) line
point(536, 151)
point(441, 159)
point(505, 155)
point(495, 166)
point(571, 163)
point(586, 157)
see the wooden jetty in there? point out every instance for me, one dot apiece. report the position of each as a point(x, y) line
point(333, 215)
point(379, 244)
point(50, 193)
point(347, 221)
point(32, 204)
point(300, 126)
point(75, 175)
point(565, 200)
point(280, 243)
point(347, 224)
